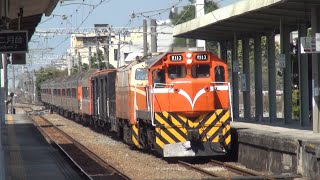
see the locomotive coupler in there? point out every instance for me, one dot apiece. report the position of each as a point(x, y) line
point(194, 136)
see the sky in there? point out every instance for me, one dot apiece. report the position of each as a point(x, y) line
point(85, 13)
point(115, 12)
point(80, 13)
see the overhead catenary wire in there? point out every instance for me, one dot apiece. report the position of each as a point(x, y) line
point(71, 20)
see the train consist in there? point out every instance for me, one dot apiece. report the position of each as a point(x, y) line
point(177, 103)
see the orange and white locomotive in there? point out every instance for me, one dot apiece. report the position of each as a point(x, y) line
point(177, 103)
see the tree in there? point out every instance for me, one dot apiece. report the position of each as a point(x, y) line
point(44, 74)
point(187, 14)
point(97, 61)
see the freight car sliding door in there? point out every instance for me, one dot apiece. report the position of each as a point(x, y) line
point(95, 97)
point(111, 111)
point(105, 98)
point(101, 97)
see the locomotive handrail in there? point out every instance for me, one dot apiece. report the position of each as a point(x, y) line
point(229, 93)
point(152, 100)
point(162, 84)
point(152, 106)
point(135, 104)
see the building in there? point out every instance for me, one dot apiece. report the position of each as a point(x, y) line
point(130, 42)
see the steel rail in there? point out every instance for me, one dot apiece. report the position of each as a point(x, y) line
point(114, 171)
point(234, 169)
point(47, 136)
point(203, 171)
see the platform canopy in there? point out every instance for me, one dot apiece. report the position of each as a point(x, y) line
point(32, 13)
point(246, 18)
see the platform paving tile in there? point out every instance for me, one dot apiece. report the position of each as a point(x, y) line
point(27, 155)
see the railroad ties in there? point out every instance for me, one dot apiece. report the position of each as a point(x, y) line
point(238, 172)
point(90, 165)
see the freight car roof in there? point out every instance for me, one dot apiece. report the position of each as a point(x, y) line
point(85, 79)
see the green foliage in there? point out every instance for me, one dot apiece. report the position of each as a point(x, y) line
point(47, 73)
point(210, 6)
point(295, 104)
point(74, 69)
point(85, 66)
point(264, 55)
point(187, 14)
point(98, 61)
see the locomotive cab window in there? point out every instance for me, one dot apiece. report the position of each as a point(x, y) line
point(219, 74)
point(176, 71)
point(159, 78)
point(200, 71)
point(141, 74)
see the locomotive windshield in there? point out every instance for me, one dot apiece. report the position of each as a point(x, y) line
point(219, 74)
point(159, 77)
point(200, 71)
point(141, 74)
point(176, 71)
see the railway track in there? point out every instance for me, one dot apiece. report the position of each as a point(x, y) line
point(239, 172)
point(91, 165)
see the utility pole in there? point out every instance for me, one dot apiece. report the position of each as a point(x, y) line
point(13, 77)
point(69, 64)
point(97, 50)
point(5, 79)
point(79, 62)
point(145, 38)
point(34, 86)
point(200, 12)
point(118, 56)
point(2, 95)
point(153, 24)
point(89, 57)
point(106, 51)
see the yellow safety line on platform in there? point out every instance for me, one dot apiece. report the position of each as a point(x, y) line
point(9, 119)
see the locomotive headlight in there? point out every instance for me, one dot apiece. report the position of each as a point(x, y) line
point(189, 61)
point(189, 55)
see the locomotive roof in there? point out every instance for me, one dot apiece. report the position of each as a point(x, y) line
point(153, 60)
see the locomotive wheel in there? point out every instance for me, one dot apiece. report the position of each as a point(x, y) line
point(119, 132)
point(84, 121)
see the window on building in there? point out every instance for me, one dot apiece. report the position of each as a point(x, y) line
point(125, 55)
point(115, 54)
point(200, 71)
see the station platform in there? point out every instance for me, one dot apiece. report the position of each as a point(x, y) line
point(25, 154)
point(280, 150)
